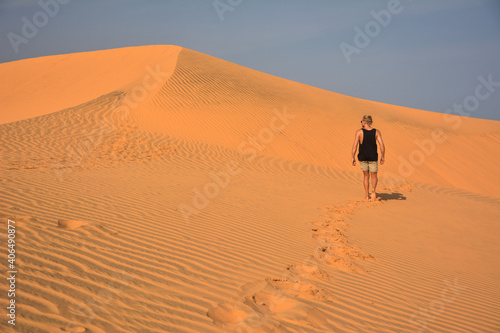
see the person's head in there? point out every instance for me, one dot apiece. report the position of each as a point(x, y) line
point(367, 120)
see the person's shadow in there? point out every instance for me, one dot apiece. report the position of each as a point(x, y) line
point(390, 196)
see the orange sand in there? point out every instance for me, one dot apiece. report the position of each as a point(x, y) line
point(158, 189)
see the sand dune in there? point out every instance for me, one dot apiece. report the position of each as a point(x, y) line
point(158, 189)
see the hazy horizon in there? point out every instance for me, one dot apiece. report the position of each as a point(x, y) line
point(419, 54)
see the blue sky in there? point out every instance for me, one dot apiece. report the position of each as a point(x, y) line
point(429, 55)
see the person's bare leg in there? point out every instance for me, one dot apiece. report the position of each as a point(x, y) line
point(373, 195)
point(366, 182)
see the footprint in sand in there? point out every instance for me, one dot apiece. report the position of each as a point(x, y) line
point(276, 308)
point(309, 270)
point(70, 224)
point(87, 228)
point(261, 305)
point(332, 234)
point(299, 288)
point(268, 301)
point(227, 315)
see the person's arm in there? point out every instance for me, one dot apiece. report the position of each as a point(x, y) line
point(355, 146)
point(382, 147)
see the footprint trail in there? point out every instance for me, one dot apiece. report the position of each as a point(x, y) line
point(272, 304)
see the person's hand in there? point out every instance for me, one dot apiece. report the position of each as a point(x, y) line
point(353, 161)
point(382, 160)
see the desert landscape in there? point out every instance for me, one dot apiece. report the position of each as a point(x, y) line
point(159, 189)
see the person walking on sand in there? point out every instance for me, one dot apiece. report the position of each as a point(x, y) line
point(367, 138)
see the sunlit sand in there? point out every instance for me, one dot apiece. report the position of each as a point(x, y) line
point(158, 189)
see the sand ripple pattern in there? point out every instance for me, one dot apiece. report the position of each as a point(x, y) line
point(87, 136)
point(300, 293)
point(103, 246)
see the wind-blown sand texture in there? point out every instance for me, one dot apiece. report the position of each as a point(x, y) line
point(158, 189)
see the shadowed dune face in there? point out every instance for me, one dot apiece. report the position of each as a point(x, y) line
point(102, 151)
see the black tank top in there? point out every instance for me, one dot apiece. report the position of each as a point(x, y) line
point(368, 149)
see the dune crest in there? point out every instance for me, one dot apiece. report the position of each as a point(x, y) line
point(59, 82)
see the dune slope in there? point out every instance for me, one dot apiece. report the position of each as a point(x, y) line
point(158, 189)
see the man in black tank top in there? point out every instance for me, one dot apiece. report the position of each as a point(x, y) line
point(367, 138)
